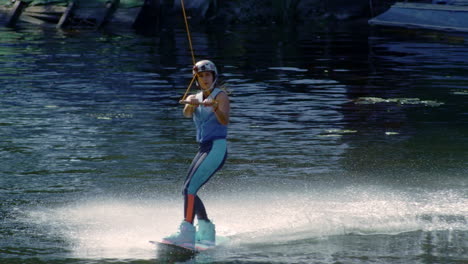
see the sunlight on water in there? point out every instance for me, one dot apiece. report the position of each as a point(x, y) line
point(345, 147)
point(109, 228)
point(121, 228)
point(295, 216)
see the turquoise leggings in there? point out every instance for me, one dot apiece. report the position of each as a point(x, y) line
point(209, 159)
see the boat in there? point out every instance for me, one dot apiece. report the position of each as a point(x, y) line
point(436, 15)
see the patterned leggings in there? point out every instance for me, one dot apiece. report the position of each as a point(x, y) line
point(209, 159)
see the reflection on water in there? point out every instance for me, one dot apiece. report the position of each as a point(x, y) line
point(345, 145)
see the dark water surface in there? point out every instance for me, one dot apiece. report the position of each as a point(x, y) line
point(347, 145)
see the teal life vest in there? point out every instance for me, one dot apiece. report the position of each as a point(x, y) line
point(208, 126)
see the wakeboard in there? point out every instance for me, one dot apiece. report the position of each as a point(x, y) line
point(170, 248)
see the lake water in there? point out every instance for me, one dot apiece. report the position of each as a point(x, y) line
point(346, 145)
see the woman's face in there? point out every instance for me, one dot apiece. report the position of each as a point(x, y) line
point(205, 80)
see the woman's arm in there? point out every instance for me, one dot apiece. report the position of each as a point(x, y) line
point(221, 108)
point(191, 103)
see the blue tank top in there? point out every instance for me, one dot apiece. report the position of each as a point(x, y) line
point(208, 126)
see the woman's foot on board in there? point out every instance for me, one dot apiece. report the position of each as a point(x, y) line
point(185, 237)
point(206, 233)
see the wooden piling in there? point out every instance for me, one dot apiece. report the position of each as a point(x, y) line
point(15, 13)
point(67, 15)
point(111, 7)
point(148, 18)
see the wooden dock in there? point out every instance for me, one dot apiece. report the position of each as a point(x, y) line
point(80, 16)
point(445, 17)
point(14, 13)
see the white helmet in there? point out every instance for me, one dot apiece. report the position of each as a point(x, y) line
point(205, 66)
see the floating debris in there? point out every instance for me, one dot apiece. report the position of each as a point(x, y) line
point(391, 133)
point(340, 131)
point(459, 92)
point(336, 132)
point(401, 101)
point(312, 81)
point(330, 135)
point(288, 69)
point(104, 117)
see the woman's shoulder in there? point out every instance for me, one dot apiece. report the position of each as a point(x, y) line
point(220, 92)
point(222, 96)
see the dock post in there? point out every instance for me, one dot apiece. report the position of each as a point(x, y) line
point(66, 15)
point(15, 13)
point(111, 7)
point(148, 19)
